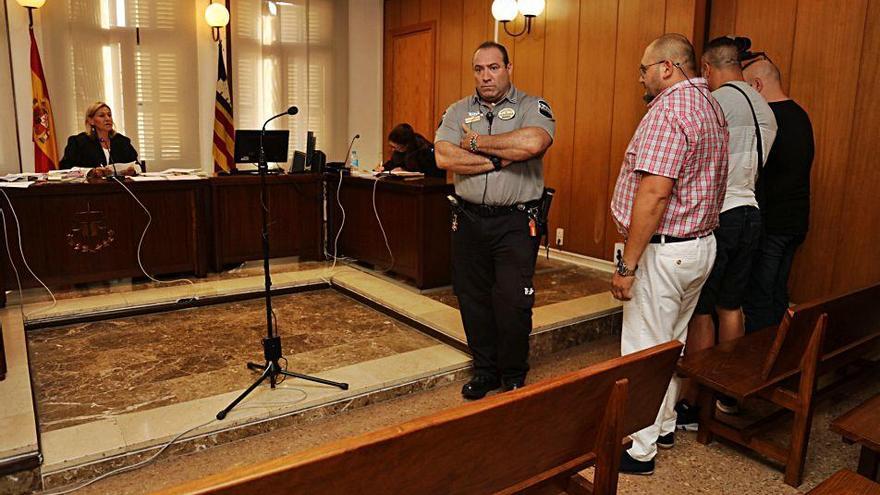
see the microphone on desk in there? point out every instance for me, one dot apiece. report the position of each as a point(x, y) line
point(348, 153)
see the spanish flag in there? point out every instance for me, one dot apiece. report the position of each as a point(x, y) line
point(45, 149)
point(224, 129)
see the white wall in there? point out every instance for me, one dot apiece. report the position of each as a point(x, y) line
point(8, 138)
point(365, 21)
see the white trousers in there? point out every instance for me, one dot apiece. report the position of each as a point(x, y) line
point(664, 294)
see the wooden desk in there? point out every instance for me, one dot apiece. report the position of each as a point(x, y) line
point(77, 233)
point(295, 218)
point(416, 218)
point(862, 425)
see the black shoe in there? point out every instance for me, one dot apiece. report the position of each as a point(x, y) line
point(727, 405)
point(479, 386)
point(513, 384)
point(687, 416)
point(666, 441)
point(628, 465)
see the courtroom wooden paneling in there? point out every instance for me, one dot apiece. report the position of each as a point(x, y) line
point(415, 217)
point(294, 218)
point(412, 77)
point(582, 56)
point(58, 221)
point(855, 257)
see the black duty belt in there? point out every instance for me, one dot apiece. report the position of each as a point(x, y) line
point(495, 211)
point(658, 238)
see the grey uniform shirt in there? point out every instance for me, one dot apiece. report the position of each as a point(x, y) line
point(518, 182)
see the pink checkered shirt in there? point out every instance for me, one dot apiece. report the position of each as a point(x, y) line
point(680, 138)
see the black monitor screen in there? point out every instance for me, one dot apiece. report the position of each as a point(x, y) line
point(247, 146)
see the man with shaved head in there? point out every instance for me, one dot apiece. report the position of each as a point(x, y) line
point(666, 204)
point(783, 196)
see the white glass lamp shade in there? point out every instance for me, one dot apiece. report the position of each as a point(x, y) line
point(504, 10)
point(31, 3)
point(217, 15)
point(531, 8)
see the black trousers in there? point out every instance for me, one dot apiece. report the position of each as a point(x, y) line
point(767, 297)
point(493, 262)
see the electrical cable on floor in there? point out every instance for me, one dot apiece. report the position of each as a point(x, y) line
point(14, 268)
point(141, 243)
point(381, 227)
point(23, 259)
point(133, 466)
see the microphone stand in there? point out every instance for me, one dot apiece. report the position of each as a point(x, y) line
point(272, 342)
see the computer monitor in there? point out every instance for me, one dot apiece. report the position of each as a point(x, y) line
point(247, 146)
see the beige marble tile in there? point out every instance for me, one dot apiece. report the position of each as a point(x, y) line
point(81, 443)
point(412, 365)
point(157, 426)
point(67, 307)
point(574, 310)
point(18, 433)
point(447, 321)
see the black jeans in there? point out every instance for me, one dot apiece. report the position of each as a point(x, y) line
point(767, 297)
point(493, 262)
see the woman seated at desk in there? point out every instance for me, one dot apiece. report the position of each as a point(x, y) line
point(411, 152)
point(100, 145)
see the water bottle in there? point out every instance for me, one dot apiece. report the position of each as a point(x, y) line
point(354, 159)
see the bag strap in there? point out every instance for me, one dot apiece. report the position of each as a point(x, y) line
point(757, 126)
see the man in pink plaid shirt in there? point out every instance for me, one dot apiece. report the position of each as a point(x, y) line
point(666, 204)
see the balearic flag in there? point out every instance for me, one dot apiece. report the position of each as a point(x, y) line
point(224, 129)
point(43, 134)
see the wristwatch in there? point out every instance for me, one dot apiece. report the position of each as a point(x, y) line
point(496, 162)
point(473, 142)
point(625, 271)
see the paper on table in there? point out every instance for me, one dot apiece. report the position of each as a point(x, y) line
point(16, 185)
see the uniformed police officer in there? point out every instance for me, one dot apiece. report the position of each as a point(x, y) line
point(493, 141)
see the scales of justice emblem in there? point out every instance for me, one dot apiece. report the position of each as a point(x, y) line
point(90, 232)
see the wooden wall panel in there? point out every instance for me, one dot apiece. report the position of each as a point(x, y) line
point(529, 56)
point(722, 18)
point(855, 259)
point(593, 167)
point(771, 27)
point(412, 80)
point(824, 74)
point(392, 21)
point(409, 12)
point(560, 48)
point(450, 69)
point(639, 23)
point(474, 22)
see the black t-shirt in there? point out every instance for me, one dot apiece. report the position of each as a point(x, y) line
point(783, 187)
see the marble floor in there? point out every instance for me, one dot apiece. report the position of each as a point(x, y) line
point(111, 391)
point(92, 371)
point(555, 281)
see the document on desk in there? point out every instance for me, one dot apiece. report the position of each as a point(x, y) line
point(15, 185)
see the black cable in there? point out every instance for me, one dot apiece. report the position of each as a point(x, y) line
point(715, 113)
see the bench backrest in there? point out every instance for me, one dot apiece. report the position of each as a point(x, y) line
point(504, 441)
point(853, 323)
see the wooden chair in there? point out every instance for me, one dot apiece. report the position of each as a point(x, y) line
point(527, 440)
point(846, 482)
point(781, 365)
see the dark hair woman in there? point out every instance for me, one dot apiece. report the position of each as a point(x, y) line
point(411, 152)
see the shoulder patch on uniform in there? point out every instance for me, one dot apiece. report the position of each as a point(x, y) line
point(544, 109)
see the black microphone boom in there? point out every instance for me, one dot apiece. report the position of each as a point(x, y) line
point(348, 153)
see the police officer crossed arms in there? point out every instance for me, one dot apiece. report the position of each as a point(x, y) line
point(493, 141)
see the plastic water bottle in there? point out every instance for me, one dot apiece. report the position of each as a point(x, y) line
point(354, 159)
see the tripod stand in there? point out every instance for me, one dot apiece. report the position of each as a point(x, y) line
point(272, 342)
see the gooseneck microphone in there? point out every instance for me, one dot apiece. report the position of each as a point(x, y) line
point(290, 111)
point(348, 153)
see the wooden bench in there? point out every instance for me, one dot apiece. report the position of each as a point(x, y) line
point(2, 357)
point(846, 482)
point(781, 365)
point(862, 425)
point(531, 439)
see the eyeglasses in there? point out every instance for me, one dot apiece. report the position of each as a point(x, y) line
point(643, 69)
